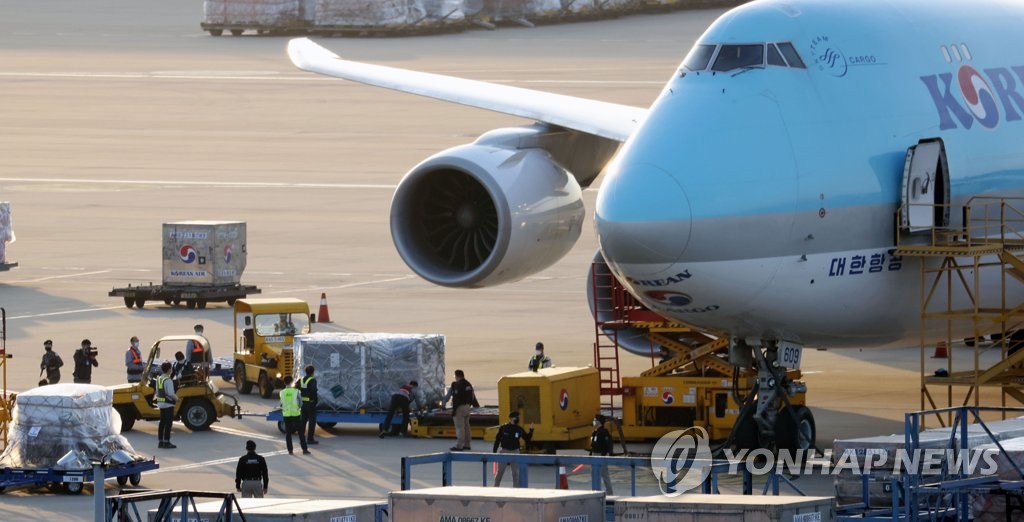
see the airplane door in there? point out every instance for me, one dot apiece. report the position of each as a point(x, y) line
point(925, 194)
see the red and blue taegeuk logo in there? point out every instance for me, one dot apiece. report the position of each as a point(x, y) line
point(667, 397)
point(188, 254)
point(563, 399)
point(227, 253)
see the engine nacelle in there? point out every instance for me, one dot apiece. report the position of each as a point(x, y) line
point(485, 213)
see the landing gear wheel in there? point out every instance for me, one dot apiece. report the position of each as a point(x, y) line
point(327, 425)
point(190, 304)
point(127, 419)
point(745, 433)
point(122, 480)
point(266, 387)
point(135, 479)
point(241, 383)
point(74, 488)
point(129, 301)
point(197, 415)
point(794, 430)
point(140, 302)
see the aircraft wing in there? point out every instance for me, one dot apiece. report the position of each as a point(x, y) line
point(608, 120)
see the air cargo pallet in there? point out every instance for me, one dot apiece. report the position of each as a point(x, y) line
point(73, 480)
point(192, 296)
point(432, 424)
point(7, 266)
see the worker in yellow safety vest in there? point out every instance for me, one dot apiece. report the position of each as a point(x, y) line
point(307, 386)
point(291, 409)
point(165, 399)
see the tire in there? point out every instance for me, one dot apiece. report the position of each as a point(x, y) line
point(127, 418)
point(140, 302)
point(745, 434)
point(190, 304)
point(216, 32)
point(135, 479)
point(266, 386)
point(201, 304)
point(197, 415)
point(176, 302)
point(241, 383)
point(794, 429)
point(122, 480)
point(168, 302)
point(74, 488)
point(327, 425)
point(129, 301)
point(237, 32)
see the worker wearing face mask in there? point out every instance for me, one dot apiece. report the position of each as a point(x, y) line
point(133, 361)
point(539, 360)
point(601, 445)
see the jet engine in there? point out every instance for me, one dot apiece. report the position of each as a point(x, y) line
point(486, 213)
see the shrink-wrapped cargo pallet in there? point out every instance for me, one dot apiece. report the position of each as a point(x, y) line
point(6, 230)
point(362, 370)
point(992, 508)
point(73, 420)
point(385, 13)
point(271, 13)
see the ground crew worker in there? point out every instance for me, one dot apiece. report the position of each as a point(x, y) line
point(85, 359)
point(181, 367)
point(291, 409)
point(251, 477)
point(508, 441)
point(463, 401)
point(539, 360)
point(310, 398)
point(133, 361)
point(400, 400)
point(165, 399)
point(51, 363)
point(194, 350)
point(601, 444)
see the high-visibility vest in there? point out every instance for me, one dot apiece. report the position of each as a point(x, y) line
point(161, 393)
point(136, 356)
point(304, 382)
point(289, 406)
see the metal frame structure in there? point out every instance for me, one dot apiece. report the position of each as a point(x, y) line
point(6, 403)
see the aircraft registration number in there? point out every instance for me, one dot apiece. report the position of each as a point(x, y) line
point(790, 355)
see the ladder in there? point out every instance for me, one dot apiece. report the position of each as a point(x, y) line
point(607, 307)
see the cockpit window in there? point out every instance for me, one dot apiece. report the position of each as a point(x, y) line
point(737, 56)
point(699, 57)
point(791, 55)
point(774, 58)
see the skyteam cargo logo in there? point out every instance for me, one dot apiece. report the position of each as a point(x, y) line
point(563, 399)
point(667, 397)
point(188, 254)
point(974, 96)
point(828, 58)
point(227, 253)
point(669, 298)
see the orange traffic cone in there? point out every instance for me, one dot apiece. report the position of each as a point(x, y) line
point(323, 316)
point(563, 478)
point(940, 350)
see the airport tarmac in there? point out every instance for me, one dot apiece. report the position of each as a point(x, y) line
point(119, 116)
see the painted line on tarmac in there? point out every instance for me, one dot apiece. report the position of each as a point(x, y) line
point(248, 434)
point(230, 184)
point(346, 285)
point(66, 312)
point(65, 276)
point(204, 464)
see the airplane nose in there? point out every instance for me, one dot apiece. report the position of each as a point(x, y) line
point(643, 218)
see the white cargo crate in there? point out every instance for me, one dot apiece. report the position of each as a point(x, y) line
point(203, 252)
point(496, 505)
point(285, 509)
point(722, 508)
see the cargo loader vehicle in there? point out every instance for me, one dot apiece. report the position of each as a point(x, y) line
point(264, 332)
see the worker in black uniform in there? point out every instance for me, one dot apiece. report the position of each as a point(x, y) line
point(601, 444)
point(251, 476)
point(307, 386)
point(463, 401)
point(400, 400)
point(508, 440)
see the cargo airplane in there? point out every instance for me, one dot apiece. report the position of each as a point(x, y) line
point(763, 193)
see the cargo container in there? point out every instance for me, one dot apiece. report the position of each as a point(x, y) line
point(286, 509)
point(6, 235)
point(496, 504)
point(725, 508)
point(202, 262)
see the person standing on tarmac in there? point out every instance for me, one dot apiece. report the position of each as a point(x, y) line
point(539, 360)
point(251, 477)
point(463, 401)
point(51, 363)
point(85, 359)
point(165, 399)
point(601, 444)
point(133, 361)
point(307, 386)
point(400, 400)
point(508, 441)
point(291, 409)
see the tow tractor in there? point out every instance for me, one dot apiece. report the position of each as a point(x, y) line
point(744, 397)
point(200, 403)
point(264, 332)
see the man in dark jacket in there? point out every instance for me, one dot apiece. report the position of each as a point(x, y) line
point(85, 359)
point(400, 400)
point(508, 440)
point(51, 363)
point(601, 444)
point(251, 477)
point(307, 386)
point(463, 401)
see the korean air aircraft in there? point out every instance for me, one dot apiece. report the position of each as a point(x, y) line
point(762, 192)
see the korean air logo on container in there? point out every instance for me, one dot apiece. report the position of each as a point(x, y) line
point(188, 254)
point(227, 253)
point(563, 399)
point(667, 397)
